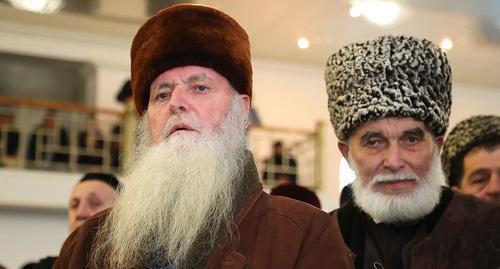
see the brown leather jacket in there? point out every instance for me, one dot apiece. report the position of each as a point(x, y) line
point(274, 232)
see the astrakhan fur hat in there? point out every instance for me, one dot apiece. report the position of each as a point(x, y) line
point(391, 76)
point(466, 135)
point(189, 34)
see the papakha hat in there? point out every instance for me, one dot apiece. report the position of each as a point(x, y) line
point(391, 76)
point(466, 135)
point(188, 34)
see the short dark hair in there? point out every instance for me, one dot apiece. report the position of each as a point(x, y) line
point(109, 179)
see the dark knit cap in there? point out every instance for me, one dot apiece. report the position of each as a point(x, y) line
point(391, 76)
point(189, 34)
point(466, 135)
point(297, 192)
point(109, 179)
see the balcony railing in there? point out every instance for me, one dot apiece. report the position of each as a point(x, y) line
point(59, 136)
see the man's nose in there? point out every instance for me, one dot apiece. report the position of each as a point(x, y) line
point(178, 101)
point(393, 159)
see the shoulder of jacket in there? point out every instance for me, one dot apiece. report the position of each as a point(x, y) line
point(296, 211)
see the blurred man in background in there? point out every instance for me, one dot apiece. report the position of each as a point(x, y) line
point(471, 157)
point(92, 194)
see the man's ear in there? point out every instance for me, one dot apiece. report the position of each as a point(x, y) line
point(439, 142)
point(245, 99)
point(344, 149)
point(455, 188)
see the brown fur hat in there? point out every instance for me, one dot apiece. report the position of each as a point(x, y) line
point(189, 34)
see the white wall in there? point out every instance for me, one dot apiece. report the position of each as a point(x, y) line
point(33, 216)
point(109, 55)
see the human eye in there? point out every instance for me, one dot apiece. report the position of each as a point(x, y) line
point(161, 95)
point(412, 139)
point(201, 88)
point(479, 180)
point(372, 142)
point(73, 204)
point(95, 203)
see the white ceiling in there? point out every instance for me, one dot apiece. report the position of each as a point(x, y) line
point(274, 26)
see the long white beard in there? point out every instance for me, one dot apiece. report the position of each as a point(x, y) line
point(177, 193)
point(398, 208)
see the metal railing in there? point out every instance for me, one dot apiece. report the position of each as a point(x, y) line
point(59, 136)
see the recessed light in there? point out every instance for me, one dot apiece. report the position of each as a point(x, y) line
point(303, 43)
point(355, 12)
point(446, 44)
point(381, 13)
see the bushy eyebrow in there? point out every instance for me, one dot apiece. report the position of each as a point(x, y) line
point(418, 132)
point(165, 85)
point(369, 135)
point(160, 86)
point(479, 171)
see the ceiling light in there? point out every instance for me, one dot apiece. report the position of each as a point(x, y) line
point(355, 12)
point(303, 43)
point(39, 6)
point(446, 44)
point(381, 13)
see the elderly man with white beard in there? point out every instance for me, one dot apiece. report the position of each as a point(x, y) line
point(192, 197)
point(389, 101)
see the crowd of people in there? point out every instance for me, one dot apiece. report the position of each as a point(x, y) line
point(193, 198)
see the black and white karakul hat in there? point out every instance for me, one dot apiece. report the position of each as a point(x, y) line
point(391, 76)
point(463, 137)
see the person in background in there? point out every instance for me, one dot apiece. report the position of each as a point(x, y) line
point(389, 101)
point(125, 97)
point(471, 157)
point(49, 142)
point(92, 194)
point(9, 139)
point(192, 197)
point(280, 163)
point(91, 144)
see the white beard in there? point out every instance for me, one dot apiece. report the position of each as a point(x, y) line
point(178, 193)
point(398, 208)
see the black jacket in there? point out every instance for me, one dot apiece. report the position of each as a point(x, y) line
point(461, 232)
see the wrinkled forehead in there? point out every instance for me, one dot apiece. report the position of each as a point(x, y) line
point(388, 127)
point(190, 74)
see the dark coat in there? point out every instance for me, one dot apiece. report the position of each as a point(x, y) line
point(461, 232)
point(273, 232)
point(45, 263)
